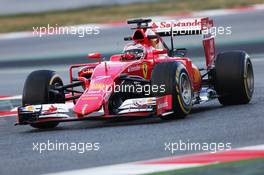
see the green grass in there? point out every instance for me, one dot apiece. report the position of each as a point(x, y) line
point(102, 14)
point(245, 167)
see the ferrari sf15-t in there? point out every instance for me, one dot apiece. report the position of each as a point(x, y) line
point(147, 78)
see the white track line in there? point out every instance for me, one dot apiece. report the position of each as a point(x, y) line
point(126, 169)
point(137, 168)
point(256, 147)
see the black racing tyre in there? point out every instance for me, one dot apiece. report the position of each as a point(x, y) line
point(175, 78)
point(234, 78)
point(37, 91)
point(114, 102)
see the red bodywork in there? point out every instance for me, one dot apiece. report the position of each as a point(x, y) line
point(98, 78)
point(96, 94)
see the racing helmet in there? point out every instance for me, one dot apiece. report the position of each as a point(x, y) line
point(137, 50)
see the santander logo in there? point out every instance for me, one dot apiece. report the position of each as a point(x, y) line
point(169, 24)
point(51, 110)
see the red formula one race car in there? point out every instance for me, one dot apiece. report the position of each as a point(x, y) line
point(148, 78)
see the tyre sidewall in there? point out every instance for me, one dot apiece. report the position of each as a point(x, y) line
point(36, 87)
point(179, 106)
point(231, 72)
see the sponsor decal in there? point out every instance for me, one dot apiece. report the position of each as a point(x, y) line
point(97, 86)
point(88, 71)
point(141, 104)
point(90, 98)
point(154, 25)
point(29, 108)
point(93, 92)
point(145, 70)
point(52, 109)
point(163, 105)
point(150, 101)
point(134, 68)
point(174, 24)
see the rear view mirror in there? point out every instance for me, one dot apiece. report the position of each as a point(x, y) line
point(180, 52)
point(95, 56)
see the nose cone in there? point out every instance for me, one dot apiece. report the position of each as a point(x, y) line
point(88, 103)
point(102, 79)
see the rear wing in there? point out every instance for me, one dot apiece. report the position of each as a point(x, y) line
point(189, 26)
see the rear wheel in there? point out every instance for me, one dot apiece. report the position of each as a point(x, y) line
point(38, 90)
point(175, 78)
point(234, 78)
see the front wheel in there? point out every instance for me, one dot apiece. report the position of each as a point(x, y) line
point(38, 90)
point(175, 78)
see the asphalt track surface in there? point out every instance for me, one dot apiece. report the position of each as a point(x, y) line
point(247, 33)
point(130, 139)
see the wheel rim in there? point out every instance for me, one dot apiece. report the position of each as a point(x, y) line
point(185, 88)
point(249, 78)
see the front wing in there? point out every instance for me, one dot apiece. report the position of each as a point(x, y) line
point(63, 112)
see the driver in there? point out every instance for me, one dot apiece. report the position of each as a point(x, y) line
point(137, 50)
